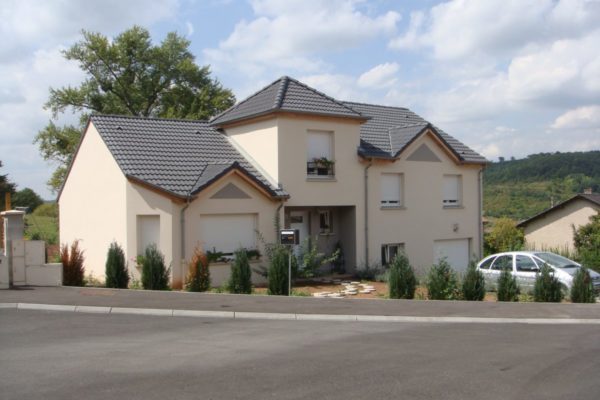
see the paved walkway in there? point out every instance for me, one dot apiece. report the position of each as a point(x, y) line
point(297, 308)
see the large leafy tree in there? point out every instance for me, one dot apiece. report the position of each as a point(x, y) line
point(27, 198)
point(6, 186)
point(587, 242)
point(129, 75)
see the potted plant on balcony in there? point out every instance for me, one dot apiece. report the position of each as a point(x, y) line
point(324, 165)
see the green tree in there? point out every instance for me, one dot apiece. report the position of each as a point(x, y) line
point(582, 290)
point(240, 280)
point(441, 282)
point(508, 288)
point(278, 272)
point(547, 287)
point(155, 275)
point(473, 283)
point(504, 236)
point(27, 198)
point(6, 186)
point(587, 242)
point(402, 282)
point(116, 267)
point(129, 75)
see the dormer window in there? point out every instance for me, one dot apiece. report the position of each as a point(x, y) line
point(319, 154)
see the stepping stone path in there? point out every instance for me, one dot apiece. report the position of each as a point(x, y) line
point(350, 289)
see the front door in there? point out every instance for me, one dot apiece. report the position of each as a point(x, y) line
point(299, 220)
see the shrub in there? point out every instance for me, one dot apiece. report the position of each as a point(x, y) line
point(441, 282)
point(547, 287)
point(401, 282)
point(198, 279)
point(72, 261)
point(371, 272)
point(508, 288)
point(240, 280)
point(473, 284)
point(582, 290)
point(115, 268)
point(278, 272)
point(155, 275)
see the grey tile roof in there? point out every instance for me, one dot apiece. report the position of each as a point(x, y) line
point(177, 156)
point(390, 129)
point(593, 198)
point(285, 94)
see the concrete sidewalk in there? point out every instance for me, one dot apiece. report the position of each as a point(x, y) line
point(297, 308)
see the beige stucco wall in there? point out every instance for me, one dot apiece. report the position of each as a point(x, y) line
point(92, 203)
point(258, 141)
point(422, 219)
point(258, 203)
point(555, 229)
point(141, 201)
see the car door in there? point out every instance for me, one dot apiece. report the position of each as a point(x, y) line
point(501, 263)
point(526, 270)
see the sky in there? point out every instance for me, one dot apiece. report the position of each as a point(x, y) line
point(506, 77)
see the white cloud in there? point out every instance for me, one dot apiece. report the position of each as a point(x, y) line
point(587, 117)
point(466, 28)
point(190, 28)
point(380, 76)
point(290, 35)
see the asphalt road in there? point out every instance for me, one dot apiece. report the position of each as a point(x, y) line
point(54, 355)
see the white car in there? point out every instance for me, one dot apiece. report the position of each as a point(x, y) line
point(525, 265)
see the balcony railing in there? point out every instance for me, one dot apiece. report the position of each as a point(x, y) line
point(319, 169)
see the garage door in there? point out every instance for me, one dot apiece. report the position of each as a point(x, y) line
point(455, 251)
point(226, 233)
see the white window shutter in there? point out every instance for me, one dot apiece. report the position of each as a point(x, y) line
point(451, 190)
point(228, 232)
point(319, 145)
point(391, 189)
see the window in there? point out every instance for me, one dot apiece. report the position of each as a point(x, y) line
point(526, 264)
point(390, 251)
point(503, 263)
point(319, 154)
point(452, 188)
point(486, 264)
point(391, 190)
point(325, 222)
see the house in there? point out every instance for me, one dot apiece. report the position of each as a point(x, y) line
point(372, 179)
point(553, 228)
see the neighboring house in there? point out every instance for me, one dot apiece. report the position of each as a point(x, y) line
point(374, 179)
point(553, 228)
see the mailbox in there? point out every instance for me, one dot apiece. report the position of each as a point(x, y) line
point(289, 236)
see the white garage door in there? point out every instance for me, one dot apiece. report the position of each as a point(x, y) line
point(455, 251)
point(226, 233)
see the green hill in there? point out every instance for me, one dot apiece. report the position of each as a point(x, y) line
point(522, 188)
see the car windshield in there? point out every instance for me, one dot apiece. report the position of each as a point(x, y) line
point(556, 261)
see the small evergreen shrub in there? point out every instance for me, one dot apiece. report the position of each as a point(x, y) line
point(278, 272)
point(198, 279)
point(441, 282)
point(547, 287)
point(582, 290)
point(115, 268)
point(401, 282)
point(155, 275)
point(508, 288)
point(72, 261)
point(473, 284)
point(240, 279)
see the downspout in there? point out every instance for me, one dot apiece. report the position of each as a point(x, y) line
point(367, 212)
point(480, 214)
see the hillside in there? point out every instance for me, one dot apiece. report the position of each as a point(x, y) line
point(522, 188)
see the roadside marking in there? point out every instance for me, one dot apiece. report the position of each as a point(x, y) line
point(297, 317)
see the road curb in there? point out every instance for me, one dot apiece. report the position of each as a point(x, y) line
point(296, 317)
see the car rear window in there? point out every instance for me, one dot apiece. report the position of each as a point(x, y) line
point(556, 261)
